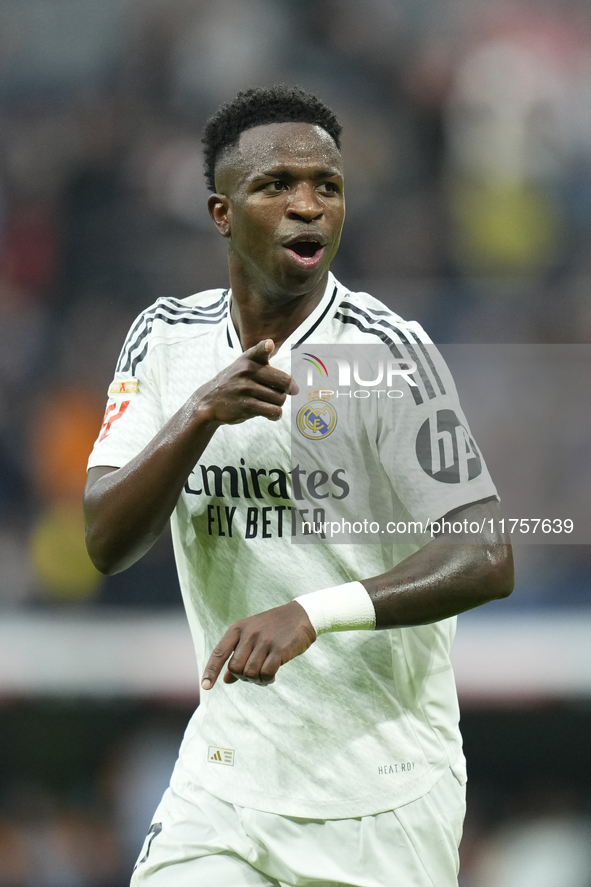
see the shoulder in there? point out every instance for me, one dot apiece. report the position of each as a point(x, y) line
point(169, 320)
point(207, 305)
point(369, 316)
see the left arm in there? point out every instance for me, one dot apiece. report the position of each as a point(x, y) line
point(451, 574)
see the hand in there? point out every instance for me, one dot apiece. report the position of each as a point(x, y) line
point(259, 645)
point(248, 387)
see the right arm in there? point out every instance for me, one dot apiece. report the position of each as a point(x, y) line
point(126, 509)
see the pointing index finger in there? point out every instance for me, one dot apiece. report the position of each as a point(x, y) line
point(219, 655)
point(261, 353)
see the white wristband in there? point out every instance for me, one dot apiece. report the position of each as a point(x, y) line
point(341, 608)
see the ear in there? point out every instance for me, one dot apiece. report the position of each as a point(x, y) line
point(220, 210)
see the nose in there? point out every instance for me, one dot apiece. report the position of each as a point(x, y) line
point(305, 204)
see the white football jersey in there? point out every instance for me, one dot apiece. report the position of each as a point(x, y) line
point(363, 721)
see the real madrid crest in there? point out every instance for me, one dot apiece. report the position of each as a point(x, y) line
point(316, 419)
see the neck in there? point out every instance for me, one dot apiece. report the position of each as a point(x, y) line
point(258, 316)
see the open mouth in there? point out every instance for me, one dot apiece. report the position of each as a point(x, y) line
point(307, 254)
point(305, 249)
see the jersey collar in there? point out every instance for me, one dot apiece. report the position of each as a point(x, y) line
point(312, 325)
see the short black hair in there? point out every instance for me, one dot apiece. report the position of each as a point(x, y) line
point(256, 107)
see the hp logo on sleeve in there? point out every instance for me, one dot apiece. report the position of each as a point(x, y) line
point(445, 450)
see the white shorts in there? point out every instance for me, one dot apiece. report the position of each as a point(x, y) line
point(198, 840)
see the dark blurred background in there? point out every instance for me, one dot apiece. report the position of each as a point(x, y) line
point(468, 158)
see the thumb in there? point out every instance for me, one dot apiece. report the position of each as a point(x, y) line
point(261, 352)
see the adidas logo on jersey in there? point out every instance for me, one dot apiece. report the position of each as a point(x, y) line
point(217, 755)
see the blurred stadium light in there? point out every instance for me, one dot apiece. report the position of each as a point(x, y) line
point(106, 655)
point(509, 658)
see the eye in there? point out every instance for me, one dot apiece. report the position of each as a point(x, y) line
point(331, 187)
point(276, 186)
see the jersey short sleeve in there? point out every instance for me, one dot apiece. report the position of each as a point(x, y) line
point(133, 415)
point(427, 448)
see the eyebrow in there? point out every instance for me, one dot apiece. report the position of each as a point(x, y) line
point(285, 174)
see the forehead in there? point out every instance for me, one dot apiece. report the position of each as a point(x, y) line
point(274, 145)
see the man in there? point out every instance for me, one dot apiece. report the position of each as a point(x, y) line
point(347, 768)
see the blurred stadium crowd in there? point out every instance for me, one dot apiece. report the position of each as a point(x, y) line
point(468, 154)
